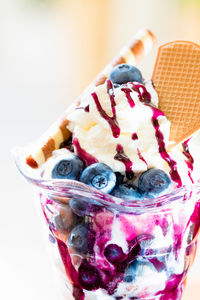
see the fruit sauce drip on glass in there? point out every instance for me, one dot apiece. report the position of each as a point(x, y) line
point(107, 263)
point(190, 160)
point(173, 288)
point(121, 156)
point(112, 121)
point(71, 272)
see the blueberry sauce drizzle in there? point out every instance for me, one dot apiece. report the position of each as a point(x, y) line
point(87, 108)
point(134, 136)
point(128, 92)
point(70, 270)
point(161, 144)
point(190, 160)
point(121, 156)
point(143, 95)
point(85, 156)
point(141, 157)
point(112, 121)
point(65, 256)
point(173, 287)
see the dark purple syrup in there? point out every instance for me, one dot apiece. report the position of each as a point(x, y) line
point(173, 288)
point(134, 136)
point(112, 121)
point(121, 156)
point(190, 160)
point(85, 156)
point(87, 108)
point(159, 265)
point(141, 157)
point(163, 223)
point(143, 95)
point(70, 270)
point(128, 92)
point(161, 144)
point(68, 145)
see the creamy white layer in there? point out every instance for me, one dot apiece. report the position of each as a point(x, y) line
point(135, 117)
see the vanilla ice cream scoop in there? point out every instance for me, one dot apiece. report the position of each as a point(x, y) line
point(123, 128)
point(114, 125)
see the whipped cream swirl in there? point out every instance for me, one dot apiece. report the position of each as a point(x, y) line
point(114, 125)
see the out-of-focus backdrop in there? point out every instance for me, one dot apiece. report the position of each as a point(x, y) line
point(49, 51)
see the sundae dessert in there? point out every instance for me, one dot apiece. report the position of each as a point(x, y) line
point(118, 188)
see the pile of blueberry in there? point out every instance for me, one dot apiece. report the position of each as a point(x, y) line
point(100, 176)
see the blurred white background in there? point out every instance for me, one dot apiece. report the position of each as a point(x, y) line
point(49, 51)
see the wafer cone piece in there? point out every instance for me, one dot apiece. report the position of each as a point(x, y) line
point(41, 150)
point(176, 78)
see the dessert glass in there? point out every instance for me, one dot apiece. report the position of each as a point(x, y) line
point(109, 248)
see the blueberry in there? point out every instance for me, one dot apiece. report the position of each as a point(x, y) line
point(138, 268)
point(153, 182)
point(113, 253)
point(82, 208)
point(78, 207)
point(127, 191)
point(89, 276)
point(69, 167)
point(119, 178)
point(78, 239)
point(130, 272)
point(64, 219)
point(124, 73)
point(99, 176)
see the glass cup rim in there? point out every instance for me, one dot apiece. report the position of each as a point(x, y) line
point(62, 189)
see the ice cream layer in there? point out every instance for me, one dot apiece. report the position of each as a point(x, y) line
point(119, 121)
point(123, 128)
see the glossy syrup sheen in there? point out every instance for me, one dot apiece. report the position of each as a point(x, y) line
point(102, 274)
point(112, 121)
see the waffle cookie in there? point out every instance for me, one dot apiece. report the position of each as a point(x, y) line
point(42, 149)
point(176, 78)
